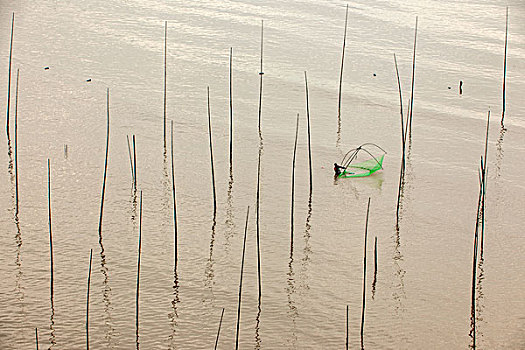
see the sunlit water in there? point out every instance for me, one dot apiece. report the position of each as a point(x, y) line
point(422, 294)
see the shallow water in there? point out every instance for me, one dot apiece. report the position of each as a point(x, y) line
point(422, 295)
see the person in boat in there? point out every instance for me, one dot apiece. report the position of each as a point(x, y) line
point(338, 169)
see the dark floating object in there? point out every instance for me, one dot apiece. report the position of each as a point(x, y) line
point(461, 87)
point(88, 80)
point(449, 88)
point(46, 68)
point(374, 74)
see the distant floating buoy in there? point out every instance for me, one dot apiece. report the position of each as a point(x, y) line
point(449, 88)
point(88, 80)
point(261, 73)
point(461, 87)
point(46, 68)
point(374, 74)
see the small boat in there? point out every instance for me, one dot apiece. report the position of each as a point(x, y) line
point(360, 162)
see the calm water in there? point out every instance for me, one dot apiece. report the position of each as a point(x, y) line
point(422, 296)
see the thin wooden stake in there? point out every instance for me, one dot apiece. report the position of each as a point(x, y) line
point(257, 226)
point(308, 123)
point(240, 281)
point(219, 330)
point(261, 73)
point(341, 74)
point(484, 184)
point(375, 269)
point(50, 226)
point(413, 77)
point(105, 172)
point(165, 75)
point(375, 257)
point(346, 324)
point(138, 273)
point(403, 143)
point(231, 115)
point(36, 337)
point(87, 299)
point(293, 185)
point(16, 145)
point(9, 75)
point(407, 120)
point(175, 238)
point(400, 108)
point(474, 263)
point(134, 164)
point(211, 156)
point(131, 162)
point(364, 280)
point(505, 64)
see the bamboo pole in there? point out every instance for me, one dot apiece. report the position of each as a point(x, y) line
point(505, 64)
point(346, 347)
point(211, 156)
point(134, 164)
point(403, 143)
point(341, 77)
point(375, 257)
point(293, 185)
point(364, 279)
point(403, 140)
point(87, 299)
point(165, 75)
point(257, 325)
point(413, 77)
point(261, 73)
point(50, 225)
point(240, 281)
point(17, 208)
point(474, 263)
point(258, 198)
point(138, 274)
point(9, 75)
point(399, 194)
point(484, 185)
point(52, 289)
point(131, 162)
point(231, 116)
point(308, 123)
point(105, 173)
point(375, 269)
point(219, 330)
point(406, 125)
point(175, 238)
